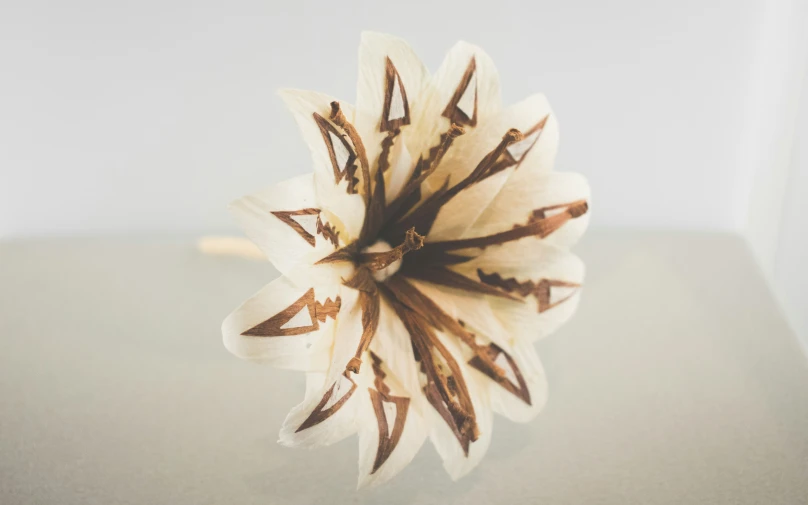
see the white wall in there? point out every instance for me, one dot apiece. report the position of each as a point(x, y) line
point(776, 221)
point(152, 115)
point(766, 151)
point(790, 272)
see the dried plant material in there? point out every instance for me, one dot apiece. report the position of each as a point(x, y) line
point(230, 246)
point(420, 260)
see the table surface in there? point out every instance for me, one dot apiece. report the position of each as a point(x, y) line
point(678, 381)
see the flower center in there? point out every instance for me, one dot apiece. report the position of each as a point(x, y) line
point(380, 246)
point(383, 260)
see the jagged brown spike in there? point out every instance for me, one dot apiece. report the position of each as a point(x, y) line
point(272, 327)
point(388, 441)
point(338, 117)
point(452, 111)
point(327, 309)
point(287, 216)
point(379, 374)
point(328, 231)
point(320, 414)
point(381, 395)
point(443, 276)
point(348, 172)
point(540, 289)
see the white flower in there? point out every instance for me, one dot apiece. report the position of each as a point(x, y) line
point(420, 261)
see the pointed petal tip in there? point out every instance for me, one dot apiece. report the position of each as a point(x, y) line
point(290, 94)
point(374, 36)
point(233, 205)
point(458, 474)
point(468, 46)
point(229, 339)
point(363, 482)
point(289, 91)
point(371, 34)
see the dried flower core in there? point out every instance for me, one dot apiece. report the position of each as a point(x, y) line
point(390, 252)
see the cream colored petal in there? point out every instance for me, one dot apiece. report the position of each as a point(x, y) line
point(455, 461)
point(287, 223)
point(400, 171)
point(459, 213)
point(391, 78)
point(526, 358)
point(453, 96)
point(393, 345)
point(520, 202)
point(521, 392)
point(371, 443)
point(532, 155)
point(536, 152)
point(470, 308)
point(342, 396)
point(286, 325)
point(392, 410)
point(546, 278)
point(328, 412)
point(332, 153)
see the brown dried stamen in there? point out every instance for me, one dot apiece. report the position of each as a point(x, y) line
point(370, 304)
point(376, 261)
point(487, 163)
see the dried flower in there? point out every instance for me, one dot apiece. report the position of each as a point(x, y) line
point(420, 260)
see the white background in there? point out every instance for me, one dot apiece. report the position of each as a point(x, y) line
point(150, 116)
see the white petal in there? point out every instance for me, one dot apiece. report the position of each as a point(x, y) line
point(457, 215)
point(392, 426)
point(534, 154)
point(467, 82)
point(399, 172)
point(346, 210)
point(536, 267)
point(337, 426)
point(392, 343)
point(348, 334)
point(523, 393)
point(473, 309)
point(521, 200)
point(391, 77)
point(455, 461)
point(328, 413)
point(285, 325)
point(279, 221)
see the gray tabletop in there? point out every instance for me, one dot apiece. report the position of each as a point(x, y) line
point(677, 382)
